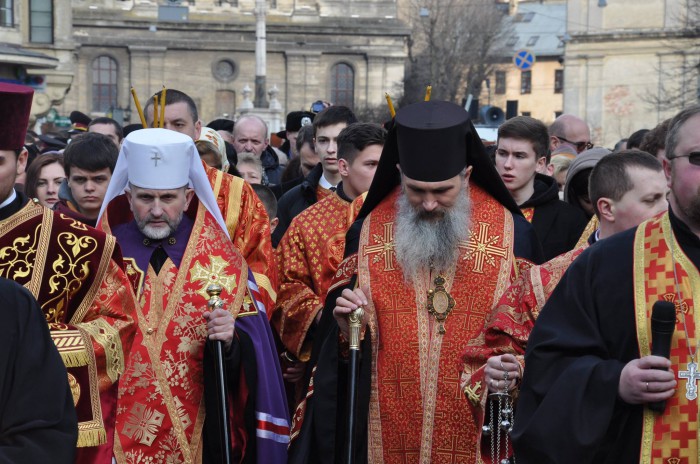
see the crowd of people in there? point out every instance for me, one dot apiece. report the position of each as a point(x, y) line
point(182, 292)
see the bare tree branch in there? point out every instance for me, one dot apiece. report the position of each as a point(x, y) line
point(454, 45)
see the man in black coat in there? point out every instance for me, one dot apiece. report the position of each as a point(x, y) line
point(322, 180)
point(37, 416)
point(522, 152)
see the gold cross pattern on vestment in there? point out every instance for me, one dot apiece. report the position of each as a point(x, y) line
point(384, 247)
point(212, 274)
point(482, 248)
point(473, 393)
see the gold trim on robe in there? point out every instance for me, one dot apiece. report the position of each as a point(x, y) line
point(161, 404)
point(418, 412)
point(673, 435)
point(73, 272)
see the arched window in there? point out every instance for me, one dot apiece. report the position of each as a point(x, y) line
point(342, 85)
point(104, 84)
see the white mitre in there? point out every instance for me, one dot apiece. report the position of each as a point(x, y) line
point(161, 159)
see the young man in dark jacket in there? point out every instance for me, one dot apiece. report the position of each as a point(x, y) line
point(323, 179)
point(522, 152)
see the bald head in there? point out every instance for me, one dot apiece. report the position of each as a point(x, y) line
point(570, 130)
point(250, 135)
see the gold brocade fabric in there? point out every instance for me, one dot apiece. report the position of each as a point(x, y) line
point(671, 437)
point(249, 227)
point(507, 330)
point(418, 412)
point(160, 411)
point(74, 273)
point(322, 193)
point(529, 213)
point(308, 256)
point(591, 227)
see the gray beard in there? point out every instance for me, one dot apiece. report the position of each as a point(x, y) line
point(424, 240)
point(155, 233)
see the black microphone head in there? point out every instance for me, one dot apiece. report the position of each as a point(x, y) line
point(663, 317)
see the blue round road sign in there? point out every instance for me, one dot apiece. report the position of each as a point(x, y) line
point(524, 60)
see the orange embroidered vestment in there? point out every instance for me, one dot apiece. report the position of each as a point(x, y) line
point(249, 227)
point(507, 330)
point(308, 256)
point(671, 437)
point(160, 413)
point(74, 272)
point(417, 412)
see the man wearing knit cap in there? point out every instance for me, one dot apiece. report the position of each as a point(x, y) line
point(437, 238)
point(75, 273)
point(176, 245)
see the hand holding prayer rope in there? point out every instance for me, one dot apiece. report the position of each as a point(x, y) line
point(349, 301)
point(502, 372)
point(646, 380)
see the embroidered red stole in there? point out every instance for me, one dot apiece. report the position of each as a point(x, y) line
point(671, 437)
point(70, 269)
point(249, 227)
point(161, 405)
point(308, 256)
point(418, 412)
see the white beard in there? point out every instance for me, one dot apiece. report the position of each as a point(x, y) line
point(158, 233)
point(424, 240)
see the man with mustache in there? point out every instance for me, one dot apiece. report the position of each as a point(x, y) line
point(590, 377)
point(176, 244)
point(75, 273)
point(437, 237)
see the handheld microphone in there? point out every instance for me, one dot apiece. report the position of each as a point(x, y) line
point(663, 323)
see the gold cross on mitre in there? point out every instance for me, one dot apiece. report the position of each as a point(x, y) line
point(212, 274)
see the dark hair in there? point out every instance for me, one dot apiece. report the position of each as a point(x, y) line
point(635, 140)
point(675, 126)
point(610, 177)
point(34, 171)
point(528, 129)
point(103, 120)
point(619, 144)
point(91, 151)
point(173, 96)
point(268, 199)
point(655, 139)
point(305, 135)
point(292, 170)
point(334, 115)
point(357, 136)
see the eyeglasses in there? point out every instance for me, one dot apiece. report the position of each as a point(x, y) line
point(580, 146)
point(693, 158)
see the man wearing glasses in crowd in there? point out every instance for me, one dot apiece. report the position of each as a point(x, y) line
point(570, 130)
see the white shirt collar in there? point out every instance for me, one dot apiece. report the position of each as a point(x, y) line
point(9, 199)
point(323, 182)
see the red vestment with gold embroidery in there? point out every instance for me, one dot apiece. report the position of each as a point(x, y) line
point(308, 256)
point(249, 227)
point(160, 413)
point(506, 331)
point(672, 436)
point(417, 411)
point(74, 272)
